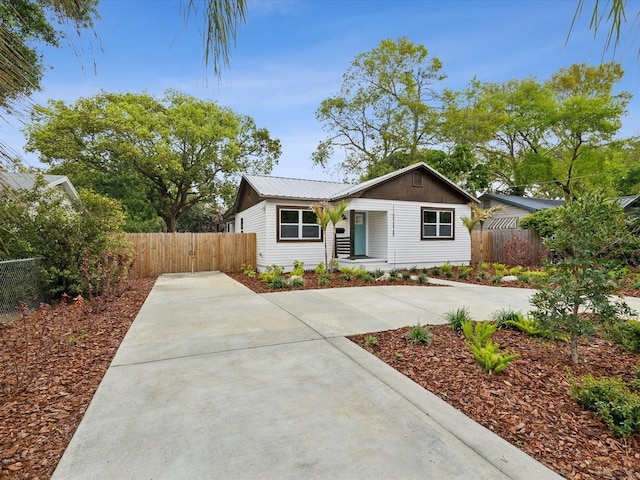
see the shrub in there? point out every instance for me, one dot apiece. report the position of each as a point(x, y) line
point(435, 271)
point(626, 334)
point(496, 279)
point(248, 270)
point(278, 282)
point(271, 272)
point(516, 250)
point(484, 350)
point(377, 273)
point(364, 275)
point(447, 269)
point(372, 341)
point(424, 271)
point(297, 282)
point(393, 274)
point(82, 246)
point(419, 334)
point(517, 270)
point(499, 269)
point(320, 269)
point(406, 275)
point(612, 399)
point(455, 318)
point(504, 315)
point(464, 272)
point(422, 278)
point(298, 268)
point(323, 279)
point(413, 270)
point(482, 276)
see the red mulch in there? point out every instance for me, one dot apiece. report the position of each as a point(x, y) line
point(52, 361)
point(527, 404)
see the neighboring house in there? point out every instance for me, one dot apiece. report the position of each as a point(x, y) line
point(513, 209)
point(406, 218)
point(26, 181)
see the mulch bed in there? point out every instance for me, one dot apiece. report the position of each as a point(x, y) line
point(52, 361)
point(527, 404)
point(311, 282)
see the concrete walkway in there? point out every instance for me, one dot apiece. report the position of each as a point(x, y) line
point(213, 381)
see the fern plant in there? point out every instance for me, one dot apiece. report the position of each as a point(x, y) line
point(484, 350)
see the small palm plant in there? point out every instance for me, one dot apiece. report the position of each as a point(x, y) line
point(478, 217)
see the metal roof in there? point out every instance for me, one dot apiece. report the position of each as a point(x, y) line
point(279, 187)
point(26, 181)
point(628, 200)
point(528, 204)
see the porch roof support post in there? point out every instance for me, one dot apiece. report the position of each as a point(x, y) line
point(352, 234)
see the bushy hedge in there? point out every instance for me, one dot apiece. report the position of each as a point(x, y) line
point(81, 243)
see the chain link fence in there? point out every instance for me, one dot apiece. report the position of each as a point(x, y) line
point(19, 283)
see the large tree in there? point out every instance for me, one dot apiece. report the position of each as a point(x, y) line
point(27, 25)
point(387, 105)
point(179, 150)
point(550, 138)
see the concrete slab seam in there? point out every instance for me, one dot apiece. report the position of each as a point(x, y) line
point(513, 469)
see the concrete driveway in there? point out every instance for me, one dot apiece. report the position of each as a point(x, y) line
point(213, 381)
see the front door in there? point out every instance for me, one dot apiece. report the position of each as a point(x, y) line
point(360, 237)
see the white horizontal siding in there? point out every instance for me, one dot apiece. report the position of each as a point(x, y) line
point(405, 248)
point(253, 221)
point(377, 235)
point(284, 253)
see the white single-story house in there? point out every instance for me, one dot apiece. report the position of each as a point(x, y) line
point(410, 217)
point(26, 181)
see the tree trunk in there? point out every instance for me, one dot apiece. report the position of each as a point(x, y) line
point(574, 350)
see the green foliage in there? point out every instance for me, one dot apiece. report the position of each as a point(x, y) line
point(482, 275)
point(419, 334)
point(278, 282)
point(612, 399)
point(82, 244)
point(626, 334)
point(504, 315)
point(166, 154)
point(435, 271)
point(406, 275)
point(323, 279)
point(485, 351)
point(372, 340)
point(422, 278)
point(298, 268)
point(542, 221)
point(588, 234)
point(378, 273)
point(271, 272)
point(446, 269)
point(517, 270)
point(248, 270)
point(464, 272)
point(496, 279)
point(320, 268)
point(297, 282)
point(413, 270)
point(364, 275)
point(395, 81)
point(499, 269)
point(455, 318)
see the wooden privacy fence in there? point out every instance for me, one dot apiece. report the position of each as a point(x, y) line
point(508, 246)
point(158, 253)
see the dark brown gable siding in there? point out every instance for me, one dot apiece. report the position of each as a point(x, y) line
point(433, 190)
point(249, 197)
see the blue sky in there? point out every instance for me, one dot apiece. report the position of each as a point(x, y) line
point(291, 54)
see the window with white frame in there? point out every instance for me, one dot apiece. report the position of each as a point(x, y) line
point(298, 224)
point(437, 224)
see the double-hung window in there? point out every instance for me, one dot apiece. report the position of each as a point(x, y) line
point(298, 224)
point(437, 224)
